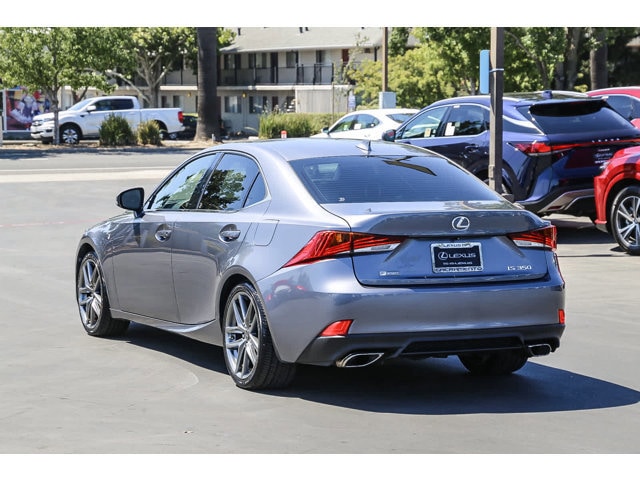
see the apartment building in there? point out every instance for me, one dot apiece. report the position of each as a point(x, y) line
point(288, 69)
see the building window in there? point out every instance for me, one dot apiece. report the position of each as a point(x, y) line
point(232, 104)
point(290, 104)
point(258, 104)
point(257, 60)
point(292, 59)
point(321, 56)
point(231, 62)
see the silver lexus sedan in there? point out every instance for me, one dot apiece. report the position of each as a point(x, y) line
point(328, 252)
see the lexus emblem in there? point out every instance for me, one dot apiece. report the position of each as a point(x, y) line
point(460, 223)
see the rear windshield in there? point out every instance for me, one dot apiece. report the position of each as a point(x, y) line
point(574, 117)
point(400, 117)
point(361, 179)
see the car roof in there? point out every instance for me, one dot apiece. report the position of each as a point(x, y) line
point(383, 111)
point(522, 98)
point(633, 91)
point(308, 147)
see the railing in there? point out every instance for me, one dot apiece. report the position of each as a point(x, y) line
point(298, 75)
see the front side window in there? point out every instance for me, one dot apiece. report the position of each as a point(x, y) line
point(466, 120)
point(181, 190)
point(230, 183)
point(345, 124)
point(426, 124)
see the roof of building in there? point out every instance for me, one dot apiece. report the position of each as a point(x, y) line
point(272, 39)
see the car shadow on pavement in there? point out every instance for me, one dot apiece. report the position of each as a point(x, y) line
point(418, 387)
point(444, 387)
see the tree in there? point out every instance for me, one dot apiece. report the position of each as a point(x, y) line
point(46, 59)
point(157, 51)
point(208, 108)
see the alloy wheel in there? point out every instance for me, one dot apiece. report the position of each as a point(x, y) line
point(90, 295)
point(242, 336)
point(627, 222)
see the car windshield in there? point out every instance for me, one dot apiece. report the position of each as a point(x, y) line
point(574, 117)
point(80, 105)
point(372, 179)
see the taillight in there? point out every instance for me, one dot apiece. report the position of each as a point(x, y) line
point(545, 237)
point(180, 116)
point(543, 148)
point(327, 244)
point(534, 149)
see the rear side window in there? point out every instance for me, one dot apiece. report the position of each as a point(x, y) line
point(627, 106)
point(389, 179)
point(230, 183)
point(574, 117)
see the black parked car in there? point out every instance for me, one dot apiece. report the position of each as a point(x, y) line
point(554, 144)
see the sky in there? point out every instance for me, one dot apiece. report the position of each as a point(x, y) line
point(327, 13)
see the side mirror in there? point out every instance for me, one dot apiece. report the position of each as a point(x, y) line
point(389, 136)
point(131, 199)
point(91, 108)
point(325, 130)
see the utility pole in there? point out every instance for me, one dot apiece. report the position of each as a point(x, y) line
point(385, 57)
point(496, 83)
point(386, 99)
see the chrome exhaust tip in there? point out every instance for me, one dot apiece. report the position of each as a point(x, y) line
point(354, 360)
point(539, 350)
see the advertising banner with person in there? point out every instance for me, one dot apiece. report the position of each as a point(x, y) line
point(20, 106)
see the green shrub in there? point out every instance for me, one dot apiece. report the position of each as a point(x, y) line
point(115, 131)
point(295, 124)
point(149, 133)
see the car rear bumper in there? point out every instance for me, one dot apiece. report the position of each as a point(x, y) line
point(299, 309)
point(578, 202)
point(360, 350)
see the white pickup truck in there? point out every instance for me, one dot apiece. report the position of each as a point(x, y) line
point(83, 120)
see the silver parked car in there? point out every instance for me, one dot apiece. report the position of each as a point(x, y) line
point(326, 252)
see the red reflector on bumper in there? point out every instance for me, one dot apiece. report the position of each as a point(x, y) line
point(337, 329)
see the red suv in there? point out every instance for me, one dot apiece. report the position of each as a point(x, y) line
point(617, 196)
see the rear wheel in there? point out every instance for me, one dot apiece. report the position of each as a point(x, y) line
point(93, 301)
point(248, 349)
point(494, 363)
point(625, 219)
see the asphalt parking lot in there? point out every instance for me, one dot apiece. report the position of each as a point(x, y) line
point(153, 393)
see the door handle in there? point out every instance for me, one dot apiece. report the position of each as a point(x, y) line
point(229, 233)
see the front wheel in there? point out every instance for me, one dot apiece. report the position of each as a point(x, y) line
point(93, 301)
point(625, 219)
point(248, 349)
point(494, 363)
point(69, 135)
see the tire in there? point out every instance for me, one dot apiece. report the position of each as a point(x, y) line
point(69, 135)
point(625, 219)
point(93, 301)
point(248, 349)
point(494, 363)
